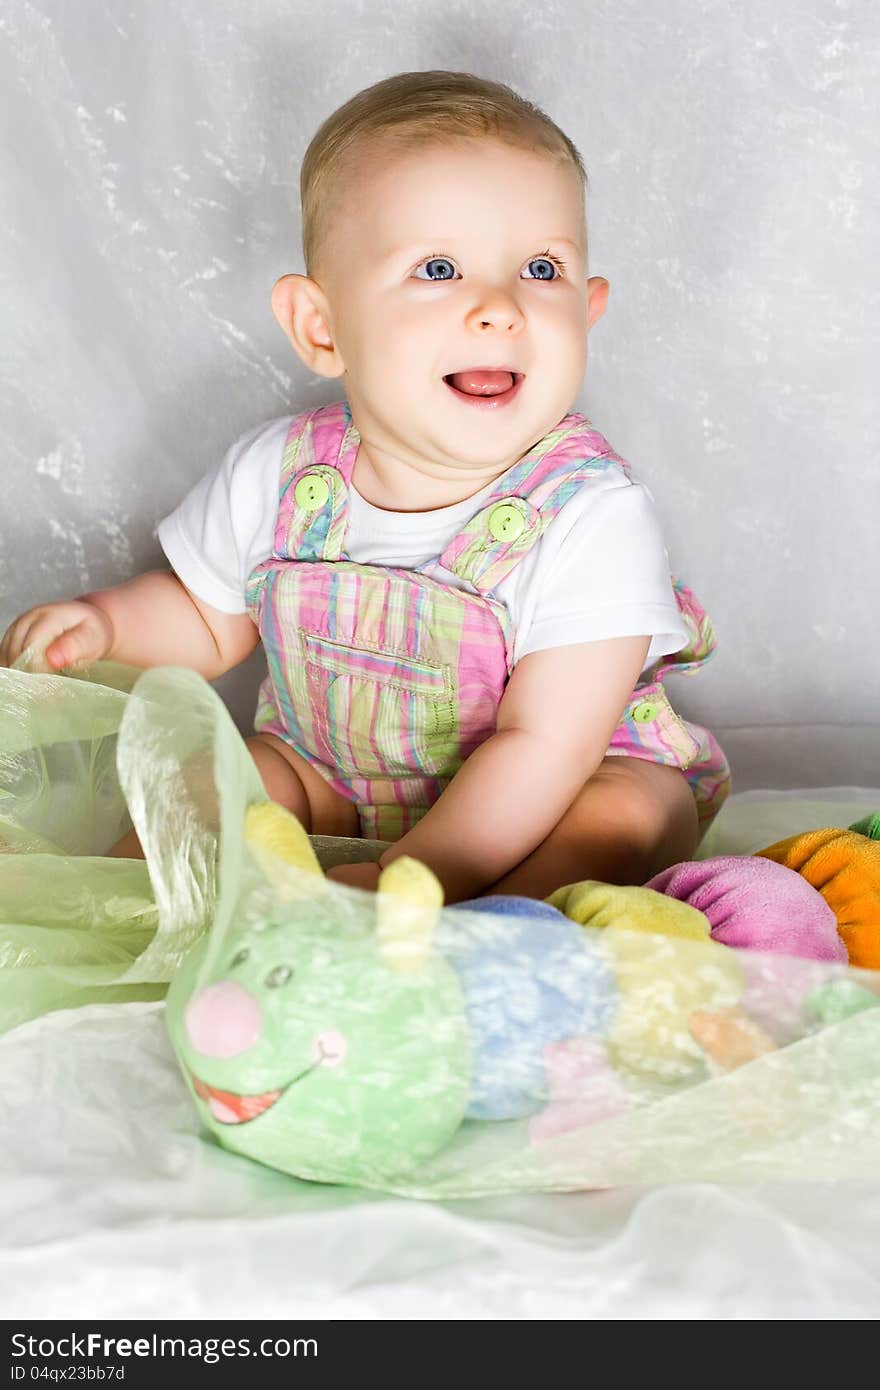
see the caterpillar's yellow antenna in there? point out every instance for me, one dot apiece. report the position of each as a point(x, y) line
point(274, 833)
point(407, 902)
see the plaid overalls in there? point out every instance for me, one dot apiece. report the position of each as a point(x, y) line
point(387, 679)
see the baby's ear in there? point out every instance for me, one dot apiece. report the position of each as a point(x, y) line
point(283, 298)
point(301, 308)
point(598, 290)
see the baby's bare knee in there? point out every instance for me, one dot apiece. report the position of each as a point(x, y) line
point(626, 824)
point(652, 807)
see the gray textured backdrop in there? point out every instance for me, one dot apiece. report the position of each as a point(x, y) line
point(149, 183)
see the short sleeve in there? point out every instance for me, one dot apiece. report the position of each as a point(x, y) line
point(225, 525)
point(604, 573)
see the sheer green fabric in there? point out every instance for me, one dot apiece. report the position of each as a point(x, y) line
point(83, 758)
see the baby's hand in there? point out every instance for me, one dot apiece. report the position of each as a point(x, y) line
point(64, 632)
point(356, 875)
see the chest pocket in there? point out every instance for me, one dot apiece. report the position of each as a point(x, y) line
point(379, 712)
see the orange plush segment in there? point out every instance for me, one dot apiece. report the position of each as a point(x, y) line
point(845, 868)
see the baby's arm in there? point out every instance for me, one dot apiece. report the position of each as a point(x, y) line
point(555, 722)
point(153, 620)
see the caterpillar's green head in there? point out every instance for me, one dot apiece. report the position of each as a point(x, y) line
point(325, 1038)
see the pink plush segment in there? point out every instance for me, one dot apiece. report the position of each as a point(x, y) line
point(757, 904)
point(584, 1088)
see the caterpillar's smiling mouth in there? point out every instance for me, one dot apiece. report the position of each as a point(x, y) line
point(230, 1108)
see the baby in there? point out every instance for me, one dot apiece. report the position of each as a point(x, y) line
point(463, 595)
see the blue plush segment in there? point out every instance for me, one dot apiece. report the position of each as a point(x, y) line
point(508, 905)
point(528, 980)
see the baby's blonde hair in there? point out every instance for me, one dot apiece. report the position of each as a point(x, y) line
point(408, 111)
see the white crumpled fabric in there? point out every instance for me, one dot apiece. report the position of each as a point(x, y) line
point(111, 1205)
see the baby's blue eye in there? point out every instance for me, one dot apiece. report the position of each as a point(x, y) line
point(436, 261)
point(543, 261)
point(447, 270)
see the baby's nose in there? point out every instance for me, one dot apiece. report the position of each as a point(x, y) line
point(222, 1020)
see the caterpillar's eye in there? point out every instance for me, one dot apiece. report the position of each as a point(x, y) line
point(278, 976)
point(240, 957)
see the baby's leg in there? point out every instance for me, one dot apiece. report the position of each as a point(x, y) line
point(631, 819)
point(281, 780)
point(290, 781)
point(293, 783)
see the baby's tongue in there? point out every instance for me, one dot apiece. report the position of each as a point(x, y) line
point(482, 383)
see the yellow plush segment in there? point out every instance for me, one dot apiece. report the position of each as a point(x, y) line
point(594, 904)
point(667, 968)
point(407, 902)
point(269, 826)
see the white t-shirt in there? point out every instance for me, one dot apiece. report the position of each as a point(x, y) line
point(599, 570)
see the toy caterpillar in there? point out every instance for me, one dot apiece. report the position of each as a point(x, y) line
point(346, 1037)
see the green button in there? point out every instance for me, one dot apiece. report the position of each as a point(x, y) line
point(506, 522)
point(645, 712)
point(311, 492)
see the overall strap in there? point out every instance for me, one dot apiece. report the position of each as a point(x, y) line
point(525, 500)
point(316, 468)
point(701, 642)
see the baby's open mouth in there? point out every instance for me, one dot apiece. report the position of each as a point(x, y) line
point(485, 384)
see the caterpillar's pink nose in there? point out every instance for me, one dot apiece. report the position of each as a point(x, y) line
point(222, 1020)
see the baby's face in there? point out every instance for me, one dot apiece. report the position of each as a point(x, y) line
point(465, 256)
